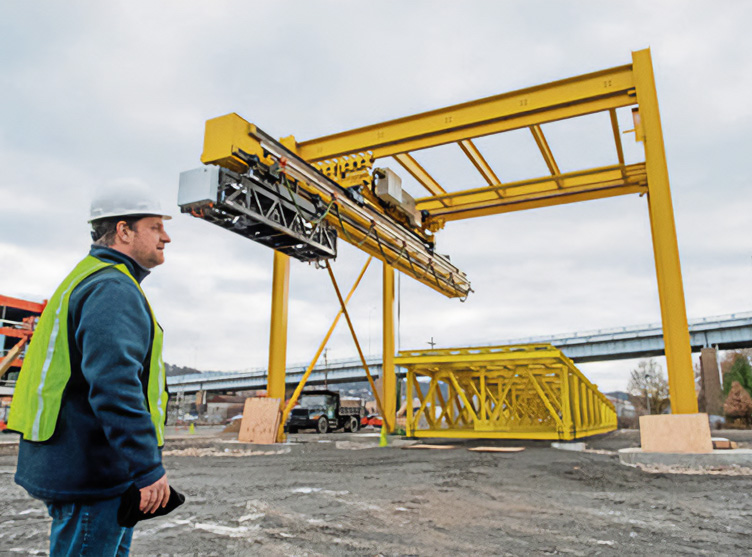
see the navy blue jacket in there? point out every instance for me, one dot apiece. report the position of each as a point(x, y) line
point(104, 440)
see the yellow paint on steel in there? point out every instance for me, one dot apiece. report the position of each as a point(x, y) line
point(343, 307)
point(534, 105)
point(597, 183)
point(668, 268)
point(480, 163)
point(389, 378)
point(275, 381)
point(299, 388)
point(512, 392)
point(548, 156)
point(617, 136)
point(419, 173)
point(225, 137)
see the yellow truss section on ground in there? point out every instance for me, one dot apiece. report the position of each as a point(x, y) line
point(505, 392)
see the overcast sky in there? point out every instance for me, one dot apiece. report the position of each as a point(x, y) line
point(97, 91)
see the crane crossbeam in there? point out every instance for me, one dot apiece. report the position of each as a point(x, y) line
point(265, 192)
point(596, 183)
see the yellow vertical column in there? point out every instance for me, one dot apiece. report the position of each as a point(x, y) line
point(389, 379)
point(409, 416)
point(665, 248)
point(483, 395)
point(275, 381)
point(566, 403)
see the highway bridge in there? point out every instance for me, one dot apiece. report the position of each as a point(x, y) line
point(725, 332)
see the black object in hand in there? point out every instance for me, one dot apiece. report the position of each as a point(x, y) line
point(129, 514)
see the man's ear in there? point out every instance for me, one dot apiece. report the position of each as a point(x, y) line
point(123, 232)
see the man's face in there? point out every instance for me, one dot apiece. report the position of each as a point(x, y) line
point(149, 239)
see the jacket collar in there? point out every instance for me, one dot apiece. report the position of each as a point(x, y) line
point(114, 256)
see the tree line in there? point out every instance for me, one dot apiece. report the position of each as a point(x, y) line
point(649, 394)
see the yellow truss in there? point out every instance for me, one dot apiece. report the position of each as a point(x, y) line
point(505, 392)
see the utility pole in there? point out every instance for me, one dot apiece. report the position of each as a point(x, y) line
point(647, 391)
point(432, 343)
point(326, 368)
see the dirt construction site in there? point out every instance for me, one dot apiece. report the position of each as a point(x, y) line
point(342, 494)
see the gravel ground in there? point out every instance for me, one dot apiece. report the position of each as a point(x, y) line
point(339, 494)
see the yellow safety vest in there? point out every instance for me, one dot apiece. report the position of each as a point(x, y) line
point(46, 368)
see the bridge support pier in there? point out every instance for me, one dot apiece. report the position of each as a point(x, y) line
point(711, 382)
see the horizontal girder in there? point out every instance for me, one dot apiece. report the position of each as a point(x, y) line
point(586, 94)
point(596, 183)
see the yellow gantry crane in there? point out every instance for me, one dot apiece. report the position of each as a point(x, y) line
point(300, 197)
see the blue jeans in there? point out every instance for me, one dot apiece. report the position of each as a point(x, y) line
point(89, 528)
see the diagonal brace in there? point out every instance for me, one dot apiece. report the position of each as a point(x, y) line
point(296, 394)
point(357, 346)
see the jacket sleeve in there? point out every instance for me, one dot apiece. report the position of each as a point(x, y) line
point(113, 334)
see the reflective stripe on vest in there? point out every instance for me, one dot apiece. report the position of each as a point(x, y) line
point(46, 368)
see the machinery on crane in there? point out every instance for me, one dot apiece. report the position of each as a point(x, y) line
point(260, 189)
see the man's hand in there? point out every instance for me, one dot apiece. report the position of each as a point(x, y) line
point(155, 495)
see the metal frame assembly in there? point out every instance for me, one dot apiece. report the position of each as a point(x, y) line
point(280, 200)
point(18, 318)
point(510, 392)
point(298, 197)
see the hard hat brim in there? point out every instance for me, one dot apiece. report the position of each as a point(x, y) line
point(122, 214)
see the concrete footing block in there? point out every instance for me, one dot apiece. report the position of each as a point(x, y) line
point(715, 459)
point(569, 446)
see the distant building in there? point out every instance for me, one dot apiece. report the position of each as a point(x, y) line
point(221, 407)
point(620, 400)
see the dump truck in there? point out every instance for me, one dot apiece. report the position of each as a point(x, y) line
point(325, 411)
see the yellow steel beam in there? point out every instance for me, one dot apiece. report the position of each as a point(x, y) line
point(553, 399)
point(275, 381)
point(502, 399)
point(425, 400)
point(389, 378)
point(419, 173)
point(566, 401)
point(480, 163)
point(520, 433)
point(460, 391)
point(666, 251)
point(469, 357)
point(572, 187)
point(409, 416)
point(225, 137)
point(585, 94)
point(617, 136)
point(548, 156)
point(343, 307)
point(445, 408)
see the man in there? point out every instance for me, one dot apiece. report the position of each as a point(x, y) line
point(90, 401)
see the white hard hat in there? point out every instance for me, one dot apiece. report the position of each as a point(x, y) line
point(123, 198)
